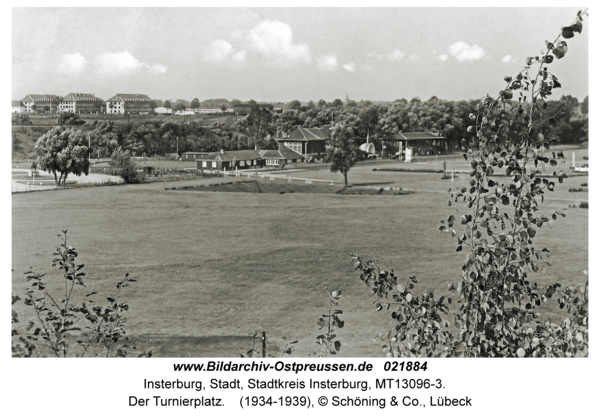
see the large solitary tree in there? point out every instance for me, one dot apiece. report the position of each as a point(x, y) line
point(343, 152)
point(63, 151)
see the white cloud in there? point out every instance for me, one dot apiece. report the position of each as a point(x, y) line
point(508, 59)
point(327, 63)
point(350, 66)
point(413, 57)
point(71, 63)
point(366, 67)
point(239, 56)
point(443, 57)
point(158, 68)
point(123, 63)
point(463, 52)
point(273, 39)
point(217, 51)
point(396, 55)
point(237, 35)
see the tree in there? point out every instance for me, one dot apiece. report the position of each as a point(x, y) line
point(195, 103)
point(64, 151)
point(179, 107)
point(223, 108)
point(352, 103)
point(337, 103)
point(322, 103)
point(21, 119)
point(343, 152)
point(167, 104)
point(498, 313)
point(258, 125)
point(46, 109)
point(121, 160)
point(295, 105)
point(69, 119)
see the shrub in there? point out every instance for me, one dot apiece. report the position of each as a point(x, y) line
point(59, 319)
point(498, 303)
point(21, 119)
point(127, 168)
point(70, 119)
point(583, 205)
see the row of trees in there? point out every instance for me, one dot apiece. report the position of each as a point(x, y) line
point(375, 121)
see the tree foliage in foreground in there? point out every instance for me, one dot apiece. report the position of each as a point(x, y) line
point(71, 325)
point(63, 151)
point(498, 313)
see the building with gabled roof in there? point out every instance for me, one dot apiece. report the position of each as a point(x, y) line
point(306, 141)
point(230, 160)
point(129, 103)
point(17, 107)
point(431, 142)
point(42, 103)
point(81, 103)
point(280, 157)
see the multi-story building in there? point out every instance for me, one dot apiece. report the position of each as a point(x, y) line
point(129, 103)
point(81, 103)
point(17, 107)
point(44, 103)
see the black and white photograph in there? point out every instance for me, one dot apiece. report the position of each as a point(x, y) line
point(306, 185)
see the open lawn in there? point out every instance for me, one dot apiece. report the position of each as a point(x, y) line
point(212, 267)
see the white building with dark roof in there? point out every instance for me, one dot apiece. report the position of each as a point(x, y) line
point(129, 103)
point(40, 103)
point(81, 103)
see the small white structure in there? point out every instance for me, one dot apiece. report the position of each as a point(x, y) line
point(367, 147)
point(163, 110)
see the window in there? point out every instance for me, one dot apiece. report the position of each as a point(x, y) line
point(203, 164)
point(214, 164)
point(242, 163)
point(294, 146)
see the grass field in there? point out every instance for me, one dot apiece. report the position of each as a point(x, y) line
point(212, 267)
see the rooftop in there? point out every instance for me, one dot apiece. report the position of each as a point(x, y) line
point(307, 134)
point(80, 97)
point(415, 136)
point(130, 97)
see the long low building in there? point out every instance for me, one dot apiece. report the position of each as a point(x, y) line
point(247, 159)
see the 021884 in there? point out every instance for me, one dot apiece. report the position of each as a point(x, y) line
point(405, 366)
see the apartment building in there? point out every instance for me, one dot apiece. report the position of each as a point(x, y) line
point(40, 103)
point(81, 103)
point(129, 103)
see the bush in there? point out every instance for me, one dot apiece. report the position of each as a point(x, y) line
point(70, 119)
point(21, 119)
point(126, 167)
point(496, 311)
point(583, 204)
point(60, 319)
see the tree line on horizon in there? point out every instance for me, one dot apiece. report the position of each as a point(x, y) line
point(365, 119)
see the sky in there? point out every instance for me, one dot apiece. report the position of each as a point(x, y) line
point(284, 54)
